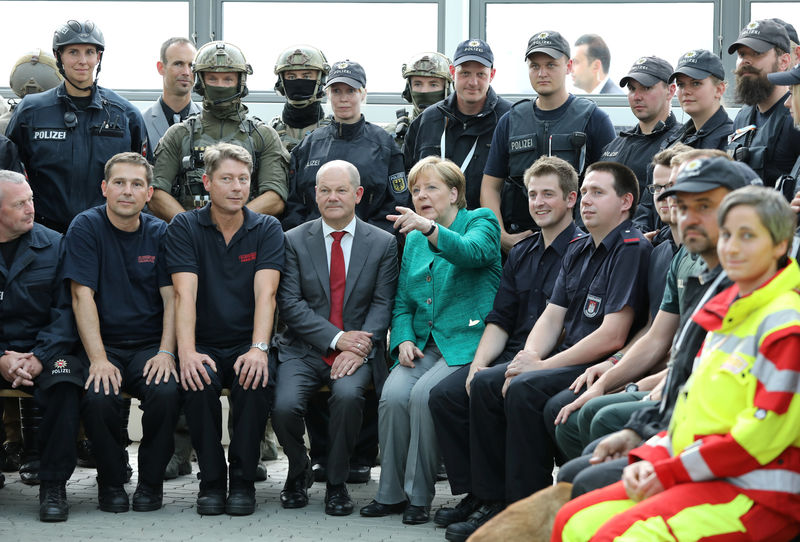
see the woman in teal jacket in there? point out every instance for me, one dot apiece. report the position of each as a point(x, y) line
point(448, 280)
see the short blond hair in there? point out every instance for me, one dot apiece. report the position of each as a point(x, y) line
point(444, 169)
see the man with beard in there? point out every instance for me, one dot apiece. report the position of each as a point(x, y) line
point(763, 136)
point(220, 71)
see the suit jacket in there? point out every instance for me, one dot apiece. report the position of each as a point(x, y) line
point(611, 88)
point(304, 293)
point(157, 124)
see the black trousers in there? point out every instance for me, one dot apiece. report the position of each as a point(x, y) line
point(512, 450)
point(102, 418)
point(250, 408)
point(318, 417)
point(297, 381)
point(449, 404)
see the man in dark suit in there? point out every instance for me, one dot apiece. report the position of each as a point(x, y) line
point(336, 316)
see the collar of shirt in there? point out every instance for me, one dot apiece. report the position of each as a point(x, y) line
point(347, 241)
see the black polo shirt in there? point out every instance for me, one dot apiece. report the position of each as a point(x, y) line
point(527, 284)
point(594, 282)
point(124, 269)
point(225, 274)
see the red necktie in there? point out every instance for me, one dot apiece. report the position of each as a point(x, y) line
point(337, 278)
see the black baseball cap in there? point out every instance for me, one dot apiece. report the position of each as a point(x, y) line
point(648, 70)
point(548, 42)
point(791, 77)
point(704, 174)
point(63, 369)
point(790, 29)
point(348, 72)
point(699, 64)
point(761, 36)
point(474, 50)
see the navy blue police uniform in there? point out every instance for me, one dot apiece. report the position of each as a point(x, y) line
point(125, 270)
point(9, 156)
point(366, 146)
point(711, 135)
point(526, 286)
point(576, 131)
point(516, 452)
point(36, 316)
point(223, 330)
point(65, 147)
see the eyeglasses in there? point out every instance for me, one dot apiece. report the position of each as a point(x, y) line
point(656, 188)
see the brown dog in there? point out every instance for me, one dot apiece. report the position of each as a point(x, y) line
point(530, 519)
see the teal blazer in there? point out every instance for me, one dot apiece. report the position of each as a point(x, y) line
point(447, 292)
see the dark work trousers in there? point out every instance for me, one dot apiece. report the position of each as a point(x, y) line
point(250, 408)
point(449, 404)
point(60, 405)
point(102, 418)
point(317, 418)
point(512, 451)
point(551, 410)
point(298, 380)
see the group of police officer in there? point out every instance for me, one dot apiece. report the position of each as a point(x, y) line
point(67, 126)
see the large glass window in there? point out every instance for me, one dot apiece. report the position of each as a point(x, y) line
point(631, 30)
point(372, 34)
point(133, 32)
point(788, 11)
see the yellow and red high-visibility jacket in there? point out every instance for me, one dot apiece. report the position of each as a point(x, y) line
point(738, 418)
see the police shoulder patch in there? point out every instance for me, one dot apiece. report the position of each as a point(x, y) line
point(398, 182)
point(591, 307)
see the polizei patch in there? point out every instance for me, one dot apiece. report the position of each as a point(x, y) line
point(592, 306)
point(43, 135)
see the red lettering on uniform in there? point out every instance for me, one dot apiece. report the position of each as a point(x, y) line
point(147, 259)
point(249, 257)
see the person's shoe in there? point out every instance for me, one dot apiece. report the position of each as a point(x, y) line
point(320, 472)
point(359, 474)
point(112, 498)
point(29, 473)
point(85, 456)
point(177, 467)
point(337, 500)
point(377, 509)
point(441, 472)
point(211, 502)
point(147, 498)
point(448, 516)
point(459, 532)
point(416, 515)
point(261, 472)
point(53, 501)
point(241, 499)
point(295, 490)
point(10, 456)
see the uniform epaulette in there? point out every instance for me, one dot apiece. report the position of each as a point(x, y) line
point(629, 237)
point(578, 235)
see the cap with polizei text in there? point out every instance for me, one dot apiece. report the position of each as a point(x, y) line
point(761, 36)
point(548, 42)
point(474, 50)
point(699, 64)
point(704, 174)
point(648, 70)
point(348, 72)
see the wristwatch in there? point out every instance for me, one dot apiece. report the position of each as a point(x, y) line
point(264, 347)
point(632, 387)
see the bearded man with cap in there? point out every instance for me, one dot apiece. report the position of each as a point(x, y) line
point(65, 135)
point(460, 127)
point(763, 136)
point(649, 96)
point(220, 71)
point(555, 123)
point(351, 138)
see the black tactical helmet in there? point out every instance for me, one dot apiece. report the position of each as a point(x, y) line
point(74, 32)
